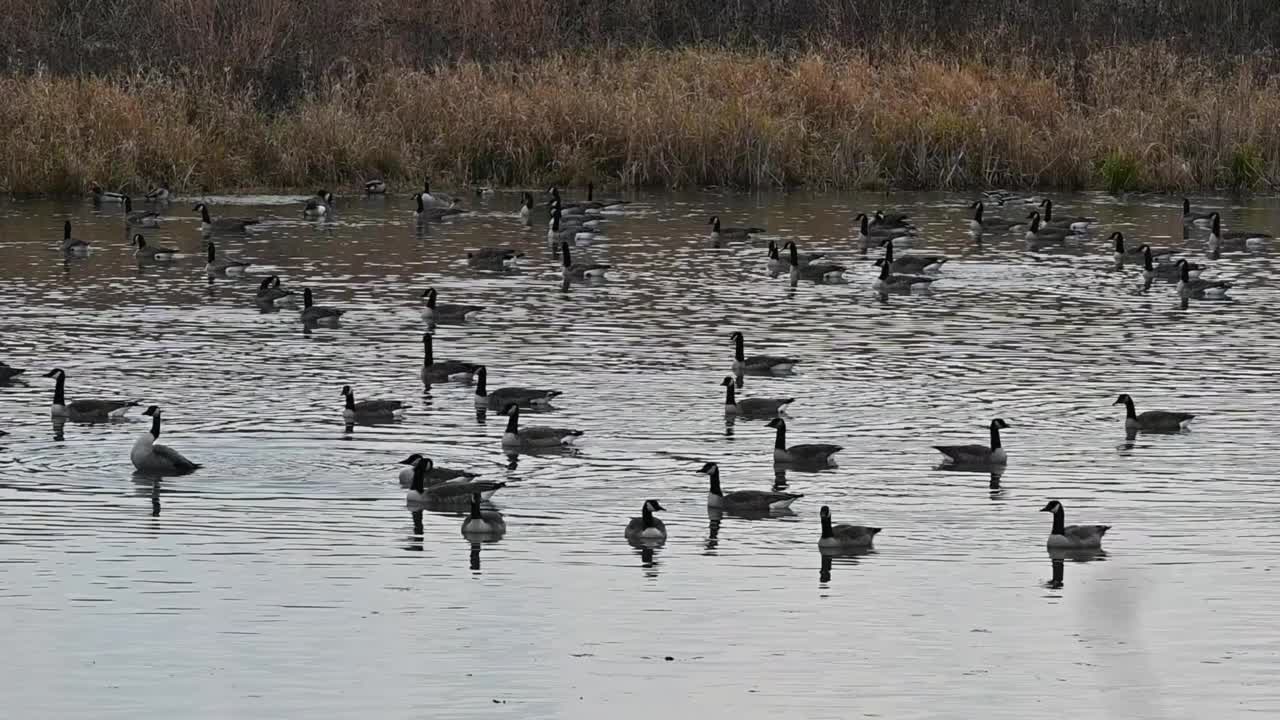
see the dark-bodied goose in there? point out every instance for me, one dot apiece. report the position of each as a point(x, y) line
point(142, 218)
point(844, 537)
point(568, 208)
point(88, 411)
point(1070, 222)
point(911, 263)
point(483, 522)
point(313, 314)
point(318, 205)
point(222, 225)
point(1072, 537)
point(70, 245)
point(1120, 250)
point(980, 223)
point(1234, 240)
point(143, 251)
point(269, 290)
point(376, 186)
point(778, 264)
point(1189, 287)
point(438, 312)
point(370, 410)
point(502, 397)
point(720, 234)
point(1151, 420)
point(891, 220)
point(8, 372)
point(647, 527)
point(763, 364)
point(870, 236)
point(535, 436)
point(818, 271)
point(104, 196)
point(751, 407)
point(888, 283)
point(161, 194)
point(433, 475)
point(432, 213)
point(1195, 216)
point(422, 491)
point(979, 456)
point(603, 204)
point(493, 258)
point(811, 454)
point(579, 270)
point(576, 233)
point(586, 225)
point(744, 500)
point(152, 458)
point(434, 370)
point(221, 264)
point(1039, 234)
point(1164, 270)
point(436, 199)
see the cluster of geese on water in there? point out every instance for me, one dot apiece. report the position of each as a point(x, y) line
point(575, 224)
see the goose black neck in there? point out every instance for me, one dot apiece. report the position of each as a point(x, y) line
point(428, 357)
point(351, 400)
point(213, 253)
point(475, 507)
point(888, 253)
point(204, 215)
point(513, 421)
point(1217, 224)
point(715, 482)
point(773, 250)
point(780, 439)
point(977, 212)
point(729, 398)
point(995, 436)
point(420, 206)
point(1035, 222)
point(128, 205)
point(482, 380)
point(564, 255)
point(307, 300)
point(715, 225)
point(738, 342)
point(1186, 273)
point(66, 230)
point(59, 390)
point(795, 256)
point(884, 271)
point(1186, 206)
point(431, 299)
point(419, 475)
point(555, 222)
point(1146, 259)
point(1059, 520)
point(591, 191)
point(155, 426)
point(864, 225)
point(826, 526)
point(1119, 243)
point(646, 516)
point(1129, 410)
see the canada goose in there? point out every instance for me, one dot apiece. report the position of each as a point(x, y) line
point(777, 264)
point(483, 522)
point(433, 213)
point(269, 290)
point(70, 245)
point(721, 234)
point(843, 537)
point(576, 233)
point(603, 204)
point(978, 455)
point(1070, 222)
point(442, 370)
point(318, 205)
point(103, 196)
point(222, 225)
point(1121, 250)
point(888, 283)
point(502, 397)
point(436, 199)
point(526, 209)
point(421, 491)
point(151, 252)
point(367, 410)
point(579, 270)
point(533, 437)
point(1189, 287)
point(1194, 216)
point(493, 258)
point(142, 218)
point(814, 270)
point(85, 411)
point(1072, 537)
point(811, 454)
point(434, 474)
point(567, 208)
point(647, 527)
point(758, 363)
point(751, 407)
point(744, 500)
point(8, 372)
point(980, 223)
point(446, 312)
point(891, 220)
point(1151, 420)
point(216, 265)
point(587, 224)
point(160, 194)
point(1037, 233)
point(869, 236)
point(150, 457)
point(375, 187)
point(911, 263)
point(1164, 270)
point(1235, 240)
point(313, 314)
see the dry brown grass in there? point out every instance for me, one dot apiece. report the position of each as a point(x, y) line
point(662, 118)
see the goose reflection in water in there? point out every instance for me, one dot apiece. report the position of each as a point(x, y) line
point(414, 543)
point(847, 557)
point(1058, 558)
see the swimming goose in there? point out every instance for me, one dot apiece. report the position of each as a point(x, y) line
point(1070, 222)
point(370, 409)
point(493, 258)
point(532, 437)
point(434, 474)
point(1189, 287)
point(980, 223)
point(442, 370)
point(978, 455)
point(814, 270)
point(603, 204)
point(216, 265)
point(576, 233)
point(151, 252)
point(751, 407)
point(437, 199)
point(1151, 420)
point(579, 222)
point(721, 234)
point(142, 218)
point(502, 397)
point(869, 236)
point(70, 245)
point(568, 208)
point(375, 187)
point(433, 213)
point(811, 454)
point(1194, 216)
point(446, 312)
point(1037, 233)
point(888, 283)
point(526, 209)
point(269, 290)
point(422, 491)
point(89, 411)
point(1121, 251)
point(579, 270)
point(1235, 240)
point(1072, 537)
point(647, 527)
point(313, 314)
point(103, 196)
point(222, 225)
point(1165, 270)
point(483, 522)
point(150, 457)
point(160, 194)
point(891, 220)
point(777, 264)
point(911, 263)
point(318, 205)
point(744, 500)
point(844, 537)
point(758, 363)
point(8, 372)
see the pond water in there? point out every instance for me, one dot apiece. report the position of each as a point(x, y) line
point(285, 577)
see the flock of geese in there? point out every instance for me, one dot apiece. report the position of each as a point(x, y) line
point(572, 225)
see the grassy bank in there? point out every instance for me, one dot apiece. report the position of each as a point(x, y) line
point(1145, 117)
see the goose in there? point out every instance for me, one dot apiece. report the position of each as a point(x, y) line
point(647, 527)
point(818, 272)
point(720, 234)
point(777, 264)
point(375, 187)
point(603, 204)
point(911, 263)
point(150, 457)
point(744, 500)
point(812, 454)
point(502, 397)
point(574, 233)
point(1165, 270)
point(493, 258)
point(318, 205)
point(437, 199)
point(891, 220)
point(533, 437)
point(483, 522)
point(579, 270)
point(422, 491)
point(1069, 222)
point(222, 225)
point(526, 209)
point(151, 252)
point(367, 410)
point(980, 223)
point(1037, 233)
point(758, 363)
point(1121, 251)
point(1235, 240)
point(223, 265)
point(142, 218)
point(8, 372)
point(434, 474)
point(313, 314)
point(578, 222)
point(1072, 537)
point(844, 537)
point(269, 290)
point(751, 407)
point(433, 213)
point(1189, 287)
point(570, 208)
point(1151, 420)
point(160, 194)
point(442, 370)
point(978, 455)
point(446, 312)
point(1194, 216)
point(70, 245)
point(104, 196)
point(869, 236)
point(888, 283)
point(89, 411)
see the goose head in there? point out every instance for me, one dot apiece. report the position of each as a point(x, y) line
point(777, 423)
point(1124, 399)
point(727, 382)
point(999, 424)
point(411, 460)
point(654, 506)
point(735, 337)
point(1118, 239)
point(346, 390)
point(1053, 507)
point(709, 468)
point(56, 373)
point(153, 411)
point(138, 241)
point(510, 409)
point(825, 513)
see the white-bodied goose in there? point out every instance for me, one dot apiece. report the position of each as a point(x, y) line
point(844, 537)
point(221, 264)
point(144, 251)
point(978, 455)
point(493, 258)
point(1072, 537)
point(1189, 287)
point(104, 196)
point(1070, 222)
point(433, 475)
point(1151, 420)
point(1038, 234)
point(817, 271)
point(70, 245)
point(222, 225)
point(778, 264)
point(269, 290)
point(647, 527)
point(161, 194)
point(313, 314)
point(751, 407)
point(758, 363)
point(721, 234)
point(376, 186)
point(421, 491)
point(439, 312)
point(152, 458)
point(911, 263)
point(318, 205)
point(434, 370)
point(887, 283)
point(744, 500)
point(502, 397)
point(370, 410)
point(811, 454)
point(535, 436)
point(980, 223)
point(483, 522)
point(579, 270)
point(85, 410)
point(1234, 240)
point(142, 218)
point(1195, 216)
